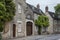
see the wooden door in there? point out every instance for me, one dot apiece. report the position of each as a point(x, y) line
point(29, 28)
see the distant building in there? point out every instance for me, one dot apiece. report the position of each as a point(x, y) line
point(23, 22)
point(54, 21)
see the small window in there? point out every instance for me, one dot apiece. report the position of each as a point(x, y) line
point(28, 16)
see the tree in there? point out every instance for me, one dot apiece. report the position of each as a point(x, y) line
point(7, 12)
point(57, 11)
point(42, 21)
point(2, 12)
point(57, 8)
point(10, 10)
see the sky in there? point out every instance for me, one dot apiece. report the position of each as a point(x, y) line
point(43, 3)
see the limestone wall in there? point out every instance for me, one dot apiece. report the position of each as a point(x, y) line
point(50, 27)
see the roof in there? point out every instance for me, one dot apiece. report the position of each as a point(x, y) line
point(52, 14)
point(35, 10)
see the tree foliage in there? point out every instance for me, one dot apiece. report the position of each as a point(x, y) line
point(2, 12)
point(57, 8)
point(7, 12)
point(57, 11)
point(42, 21)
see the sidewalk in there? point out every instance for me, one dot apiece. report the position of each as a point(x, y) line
point(29, 37)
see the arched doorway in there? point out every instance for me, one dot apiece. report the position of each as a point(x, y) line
point(29, 28)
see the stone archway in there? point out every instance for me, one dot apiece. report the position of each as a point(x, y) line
point(29, 28)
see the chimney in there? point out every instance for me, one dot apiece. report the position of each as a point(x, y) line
point(46, 9)
point(38, 6)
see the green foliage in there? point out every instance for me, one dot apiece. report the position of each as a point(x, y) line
point(10, 9)
point(45, 21)
point(57, 8)
point(42, 21)
point(2, 12)
point(57, 11)
point(2, 1)
point(7, 12)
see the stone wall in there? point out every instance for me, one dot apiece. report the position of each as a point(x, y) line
point(56, 26)
point(50, 27)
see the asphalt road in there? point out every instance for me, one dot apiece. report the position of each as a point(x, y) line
point(40, 37)
point(50, 37)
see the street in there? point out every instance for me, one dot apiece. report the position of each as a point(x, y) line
point(50, 37)
point(41, 37)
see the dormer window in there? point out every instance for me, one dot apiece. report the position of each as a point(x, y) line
point(19, 8)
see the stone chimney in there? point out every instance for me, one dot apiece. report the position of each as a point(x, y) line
point(46, 9)
point(38, 6)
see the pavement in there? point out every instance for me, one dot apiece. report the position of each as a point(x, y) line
point(39, 37)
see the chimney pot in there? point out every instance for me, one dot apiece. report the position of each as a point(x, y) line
point(46, 8)
point(38, 6)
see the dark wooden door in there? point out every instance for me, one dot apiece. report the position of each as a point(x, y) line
point(29, 28)
point(14, 30)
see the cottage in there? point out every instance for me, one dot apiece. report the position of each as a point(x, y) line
point(23, 22)
point(54, 21)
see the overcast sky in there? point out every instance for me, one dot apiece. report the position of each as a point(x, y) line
point(43, 3)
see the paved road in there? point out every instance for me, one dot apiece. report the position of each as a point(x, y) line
point(41, 37)
point(50, 37)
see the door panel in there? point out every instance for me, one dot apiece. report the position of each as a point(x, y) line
point(29, 28)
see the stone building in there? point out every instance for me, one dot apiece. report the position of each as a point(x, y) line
point(23, 22)
point(48, 14)
point(54, 21)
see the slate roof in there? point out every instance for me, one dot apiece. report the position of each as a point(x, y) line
point(52, 14)
point(35, 10)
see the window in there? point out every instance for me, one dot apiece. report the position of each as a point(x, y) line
point(19, 8)
point(28, 16)
point(19, 27)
